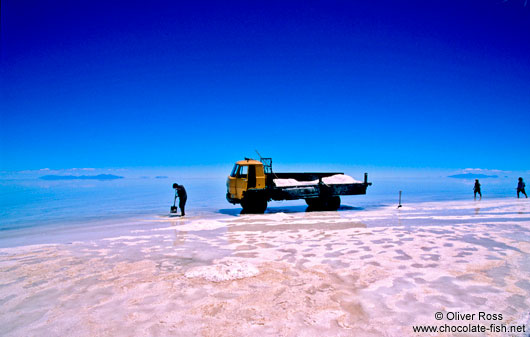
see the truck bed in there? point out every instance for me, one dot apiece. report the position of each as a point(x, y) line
point(303, 176)
point(311, 185)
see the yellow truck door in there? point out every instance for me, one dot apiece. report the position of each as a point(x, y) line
point(231, 184)
point(241, 181)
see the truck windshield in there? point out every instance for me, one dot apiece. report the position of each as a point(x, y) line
point(242, 172)
point(234, 170)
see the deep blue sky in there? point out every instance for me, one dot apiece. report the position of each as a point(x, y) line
point(424, 84)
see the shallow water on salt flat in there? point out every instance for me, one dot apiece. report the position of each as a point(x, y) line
point(355, 272)
point(35, 211)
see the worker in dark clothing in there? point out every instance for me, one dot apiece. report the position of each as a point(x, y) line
point(180, 192)
point(476, 189)
point(520, 187)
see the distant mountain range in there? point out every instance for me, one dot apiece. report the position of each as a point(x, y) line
point(71, 177)
point(472, 176)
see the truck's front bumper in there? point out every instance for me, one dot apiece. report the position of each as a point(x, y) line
point(232, 200)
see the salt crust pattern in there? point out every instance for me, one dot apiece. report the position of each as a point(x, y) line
point(371, 272)
point(224, 271)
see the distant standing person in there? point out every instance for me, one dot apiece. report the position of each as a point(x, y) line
point(476, 189)
point(180, 192)
point(520, 187)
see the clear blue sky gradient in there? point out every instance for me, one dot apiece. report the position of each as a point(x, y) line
point(423, 84)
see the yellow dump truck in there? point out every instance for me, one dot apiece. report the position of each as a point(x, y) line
point(252, 183)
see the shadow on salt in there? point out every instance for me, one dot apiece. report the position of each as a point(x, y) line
point(487, 243)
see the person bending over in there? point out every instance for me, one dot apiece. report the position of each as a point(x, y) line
point(180, 192)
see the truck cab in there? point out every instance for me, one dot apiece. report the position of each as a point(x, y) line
point(246, 175)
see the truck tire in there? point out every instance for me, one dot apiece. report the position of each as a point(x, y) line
point(333, 203)
point(323, 204)
point(315, 204)
point(312, 202)
point(254, 205)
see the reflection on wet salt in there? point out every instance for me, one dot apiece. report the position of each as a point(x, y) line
point(288, 209)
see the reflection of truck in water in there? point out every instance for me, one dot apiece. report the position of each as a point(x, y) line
point(252, 184)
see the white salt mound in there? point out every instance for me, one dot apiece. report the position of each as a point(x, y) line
point(293, 182)
point(335, 179)
point(224, 271)
point(339, 179)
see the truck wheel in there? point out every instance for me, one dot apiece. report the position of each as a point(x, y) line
point(333, 203)
point(260, 205)
point(323, 204)
point(311, 202)
point(254, 205)
point(315, 204)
